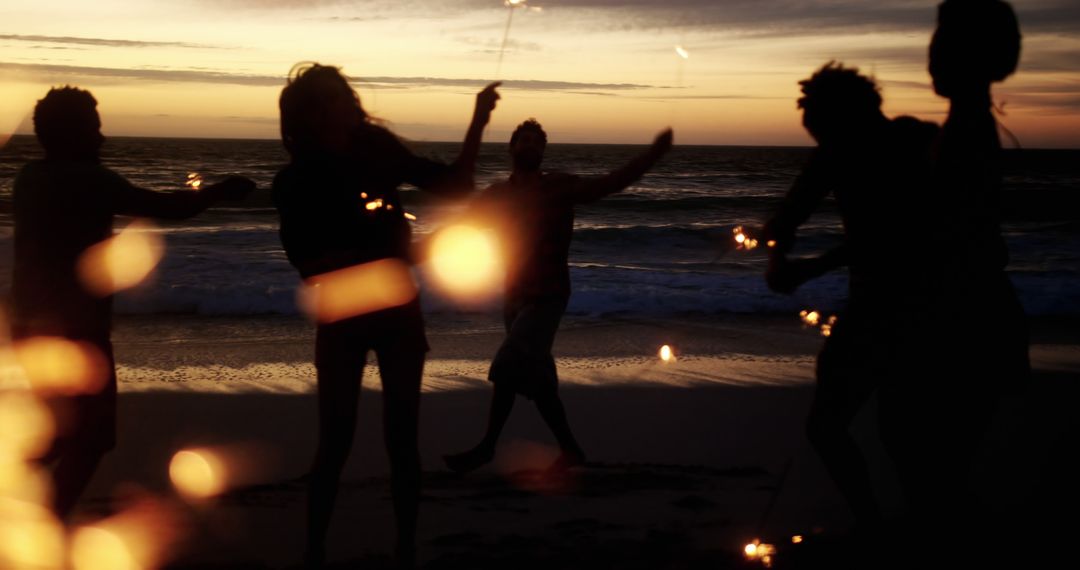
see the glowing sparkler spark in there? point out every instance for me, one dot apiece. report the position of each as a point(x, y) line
point(666, 354)
point(410, 217)
point(760, 552)
point(122, 261)
point(811, 318)
point(682, 52)
point(198, 473)
point(512, 6)
point(743, 240)
point(771, 243)
point(374, 204)
point(194, 180)
point(796, 539)
point(465, 260)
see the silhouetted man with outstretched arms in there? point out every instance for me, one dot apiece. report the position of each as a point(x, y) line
point(63, 205)
point(879, 171)
point(533, 213)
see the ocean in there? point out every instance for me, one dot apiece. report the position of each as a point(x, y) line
point(662, 246)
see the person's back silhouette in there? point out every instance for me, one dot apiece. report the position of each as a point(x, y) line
point(63, 205)
point(877, 169)
point(342, 163)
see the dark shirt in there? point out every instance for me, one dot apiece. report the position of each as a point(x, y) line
point(325, 222)
point(61, 208)
point(535, 224)
point(884, 190)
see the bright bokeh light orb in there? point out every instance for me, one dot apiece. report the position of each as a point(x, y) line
point(122, 261)
point(465, 260)
point(55, 365)
point(666, 354)
point(197, 473)
point(94, 548)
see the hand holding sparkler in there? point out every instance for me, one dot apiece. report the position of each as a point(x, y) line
point(232, 188)
point(486, 101)
point(662, 143)
point(785, 276)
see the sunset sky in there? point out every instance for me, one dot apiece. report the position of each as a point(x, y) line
point(590, 70)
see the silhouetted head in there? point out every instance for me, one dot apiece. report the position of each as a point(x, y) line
point(839, 105)
point(976, 43)
point(319, 110)
point(67, 124)
point(527, 146)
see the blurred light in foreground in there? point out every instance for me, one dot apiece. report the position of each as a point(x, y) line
point(194, 181)
point(465, 260)
point(771, 243)
point(31, 537)
point(358, 290)
point(138, 538)
point(666, 354)
point(410, 217)
point(24, 482)
point(122, 261)
point(59, 366)
point(374, 204)
point(26, 427)
point(797, 539)
point(682, 52)
point(757, 551)
point(198, 473)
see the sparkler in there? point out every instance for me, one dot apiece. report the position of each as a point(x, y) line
point(743, 240)
point(512, 6)
point(760, 552)
point(194, 181)
point(813, 319)
point(666, 353)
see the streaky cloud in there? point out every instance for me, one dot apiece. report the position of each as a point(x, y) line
point(68, 72)
point(101, 42)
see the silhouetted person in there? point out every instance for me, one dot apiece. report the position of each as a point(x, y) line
point(533, 213)
point(878, 169)
point(977, 334)
point(64, 204)
point(337, 155)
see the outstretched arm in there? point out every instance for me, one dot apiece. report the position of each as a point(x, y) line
point(457, 180)
point(131, 200)
point(617, 180)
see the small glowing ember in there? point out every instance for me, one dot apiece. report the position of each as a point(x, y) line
point(743, 240)
point(410, 217)
point(374, 204)
point(796, 539)
point(682, 52)
point(666, 353)
point(194, 181)
point(760, 552)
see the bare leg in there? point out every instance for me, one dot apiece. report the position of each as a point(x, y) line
point(402, 370)
point(340, 372)
point(554, 414)
point(502, 402)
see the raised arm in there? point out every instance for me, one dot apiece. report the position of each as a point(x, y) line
point(590, 190)
point(457, 180)
point(130, 200)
